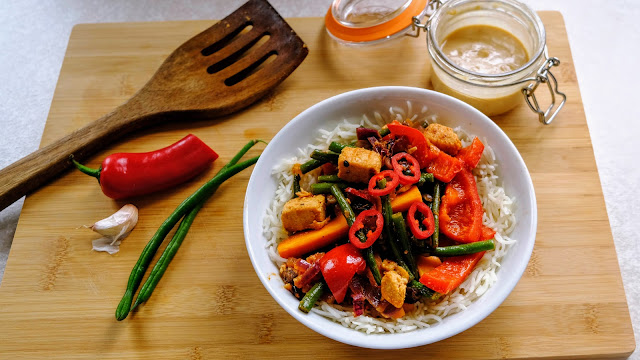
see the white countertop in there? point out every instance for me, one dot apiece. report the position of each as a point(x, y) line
point(604, 39)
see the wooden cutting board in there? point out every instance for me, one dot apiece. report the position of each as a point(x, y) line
point(57, 298)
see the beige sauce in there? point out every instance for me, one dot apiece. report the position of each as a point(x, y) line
point(484, 49)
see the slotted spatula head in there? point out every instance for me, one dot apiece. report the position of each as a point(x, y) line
point(229, 65)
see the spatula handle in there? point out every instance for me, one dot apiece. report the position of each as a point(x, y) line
point(38, 168)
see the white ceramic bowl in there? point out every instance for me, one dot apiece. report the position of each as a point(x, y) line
point(303, 129)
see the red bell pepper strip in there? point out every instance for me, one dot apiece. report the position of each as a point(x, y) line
point(461, 210)
point(427, 220)
point(392, 181)
point(472, 154)
point(363, 222)
point(338, 267)
point(487, 233)
point(444, 167)
point(423, 152)
point(124, 175)
point(451, 273)
point(407, 168)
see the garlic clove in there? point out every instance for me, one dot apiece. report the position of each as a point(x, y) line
point(115, 228)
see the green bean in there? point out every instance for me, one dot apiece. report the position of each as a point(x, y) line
point(329, 178)
point(198, 197)
point(326, 156)
point(337, 147)
point(401, 230)
point(388, 223)
point(167, 255)
point(296, 185)
point(464, 249)
point(373, 265)
point(325, 188)
point(435, 209)
point(311, 298)
point(425, 177)
point(347, 211)
point(310, 165)
point(423, 290)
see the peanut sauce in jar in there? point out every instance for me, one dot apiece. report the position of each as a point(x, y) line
point(487, 50)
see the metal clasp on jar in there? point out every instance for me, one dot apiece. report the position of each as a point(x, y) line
point(544, 75)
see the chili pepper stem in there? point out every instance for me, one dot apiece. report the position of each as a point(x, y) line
point(87, 170)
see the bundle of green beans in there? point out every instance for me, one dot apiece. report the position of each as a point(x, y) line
point(186, 211)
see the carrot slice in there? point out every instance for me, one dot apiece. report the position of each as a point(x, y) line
point(403, 201)
point(305, 242)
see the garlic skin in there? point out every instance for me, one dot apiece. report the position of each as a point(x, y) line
point(115, 228)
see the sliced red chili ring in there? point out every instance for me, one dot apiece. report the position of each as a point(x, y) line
point(426, 220)
point(392, 181)
point(407, 168)
point(363, 223)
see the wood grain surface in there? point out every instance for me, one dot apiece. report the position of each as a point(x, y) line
point(58, 298)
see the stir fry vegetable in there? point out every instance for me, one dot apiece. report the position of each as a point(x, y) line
point(377, 242)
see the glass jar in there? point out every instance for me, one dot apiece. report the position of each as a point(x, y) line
point(369, 22)
point(493, 93)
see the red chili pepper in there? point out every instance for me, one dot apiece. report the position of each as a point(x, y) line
point(409, 165)
point(472, 154)
point(416, 138)
point(451, 273)
point(125, 175)
point(363, 222)
point(427, 220)
point(461, 210)
point(338, 267)
point(392, 181)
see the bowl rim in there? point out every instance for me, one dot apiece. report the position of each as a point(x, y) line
point(472, 318)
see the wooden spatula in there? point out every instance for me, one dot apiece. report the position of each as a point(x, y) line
point(219, 71)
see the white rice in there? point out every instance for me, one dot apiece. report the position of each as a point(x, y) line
point(498, 214)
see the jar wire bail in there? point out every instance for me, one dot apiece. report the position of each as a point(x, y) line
point(416, 24)
point(544, 75)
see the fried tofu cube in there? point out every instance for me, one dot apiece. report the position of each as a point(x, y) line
point(393, 288)
point(358, 164)
point(444, 138)
point(304, 213)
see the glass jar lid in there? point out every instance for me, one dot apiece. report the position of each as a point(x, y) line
point(369, 21)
